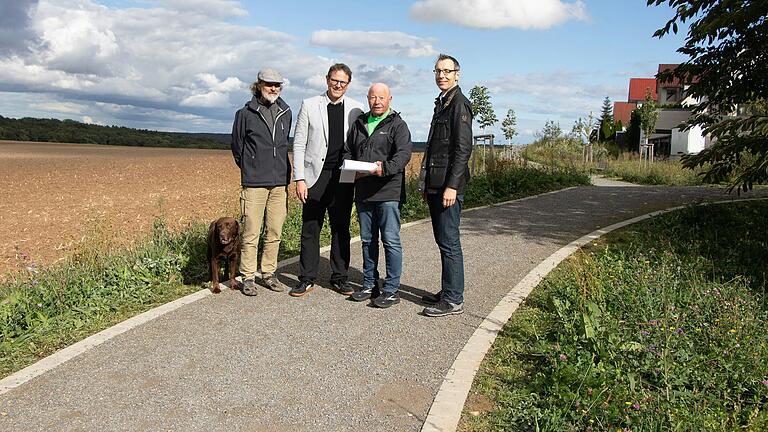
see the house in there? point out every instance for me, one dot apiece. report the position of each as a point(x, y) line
point(668, 138)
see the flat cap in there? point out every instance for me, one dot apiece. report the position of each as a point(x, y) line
point(270, 75)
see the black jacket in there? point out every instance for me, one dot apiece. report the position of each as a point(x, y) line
point(391, 144)
point(449, 145)
point(261, 152)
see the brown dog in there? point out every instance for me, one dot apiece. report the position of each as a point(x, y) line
point(223, 242)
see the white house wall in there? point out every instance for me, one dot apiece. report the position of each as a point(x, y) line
point(686, 142)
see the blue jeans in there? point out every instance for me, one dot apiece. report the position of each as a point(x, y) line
point(445, 227)
point(383, 217)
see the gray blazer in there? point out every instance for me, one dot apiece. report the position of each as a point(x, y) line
point(310, 140)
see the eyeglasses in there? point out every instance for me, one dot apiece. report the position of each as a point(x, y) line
point(377, 98)
point(444, 71)
point(271, 84)
point(340, 83)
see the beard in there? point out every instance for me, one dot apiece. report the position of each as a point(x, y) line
point(271, 98)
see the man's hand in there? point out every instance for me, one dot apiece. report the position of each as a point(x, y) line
point(301, 191)
point(449, 197)
point(378, 171)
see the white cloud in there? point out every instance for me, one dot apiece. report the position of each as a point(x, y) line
point(374, 43)
point(173, 55)
point(60, 107)
point(87, 119)
point(212, 8)
point(206, 100)
point(494, 14)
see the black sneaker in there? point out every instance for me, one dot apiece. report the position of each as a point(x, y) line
point(386, 300)
point(431, 298)
point(443, 308)
point(342, 287)
point(362, 295)
point(303, 288)
point(249, 287)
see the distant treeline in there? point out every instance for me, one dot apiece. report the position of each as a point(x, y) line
point(70, 131)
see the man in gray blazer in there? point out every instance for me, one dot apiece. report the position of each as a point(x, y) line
point(318, 144)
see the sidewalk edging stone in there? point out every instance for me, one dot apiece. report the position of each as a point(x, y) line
point(445, 413)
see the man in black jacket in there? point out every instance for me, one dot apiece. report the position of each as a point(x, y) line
point(382, 137)
point(260, 149)
point(444, 174)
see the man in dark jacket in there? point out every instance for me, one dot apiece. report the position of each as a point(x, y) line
point(444, 174)
point(382, 137)
point(260, 148)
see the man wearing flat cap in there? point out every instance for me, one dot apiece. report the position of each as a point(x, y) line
point(260, 149)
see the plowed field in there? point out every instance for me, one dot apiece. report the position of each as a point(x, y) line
point(55, 197)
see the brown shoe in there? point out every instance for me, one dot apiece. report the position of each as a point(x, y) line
point(249, 287)
point(273, 283)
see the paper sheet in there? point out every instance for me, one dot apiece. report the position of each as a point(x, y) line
point(350, 167)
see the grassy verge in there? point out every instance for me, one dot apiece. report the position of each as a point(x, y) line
point(46, 309)
point(658, 173)
point(657, 327)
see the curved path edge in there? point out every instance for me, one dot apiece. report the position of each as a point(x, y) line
point(445, 413)
point(60, 357)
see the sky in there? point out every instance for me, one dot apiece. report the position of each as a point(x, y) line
point(186, 65)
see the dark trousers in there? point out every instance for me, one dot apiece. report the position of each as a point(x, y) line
point(327, 194)
point(445, 227)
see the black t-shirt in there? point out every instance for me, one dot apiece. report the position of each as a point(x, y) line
point(335, 136)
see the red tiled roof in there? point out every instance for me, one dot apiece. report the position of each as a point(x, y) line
point(669, 84)
point(675, 81)
point(623, 111)
point(638, 88)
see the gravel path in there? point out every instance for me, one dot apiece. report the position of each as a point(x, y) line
point(276, 363)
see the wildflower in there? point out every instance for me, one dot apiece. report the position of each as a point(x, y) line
point(764, 382)
point(653, 322)
point(636, 406)
point(563, 357)
point(627, 403)
point(645, 332)
point(679, 331)
point(732, 331)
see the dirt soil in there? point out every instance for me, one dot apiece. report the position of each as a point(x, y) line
point(54, 197)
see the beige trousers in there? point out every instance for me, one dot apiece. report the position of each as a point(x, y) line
point(254, 203)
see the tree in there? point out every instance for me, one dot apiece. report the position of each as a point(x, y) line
point(551, 131)
point(606, 129)
point(727, 69)
point(509, 126)
point(648, 113)
point(481, 107)
point(584, 129)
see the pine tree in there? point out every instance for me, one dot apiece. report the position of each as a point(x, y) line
point(606, 127)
